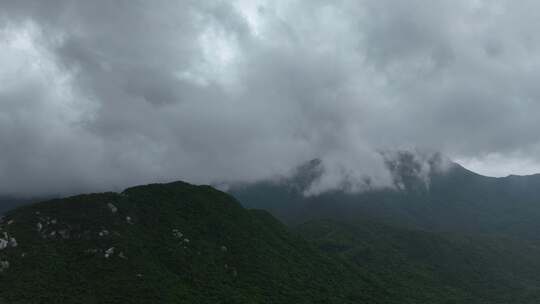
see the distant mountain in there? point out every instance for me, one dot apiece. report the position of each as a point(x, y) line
point(166, 243)
point(433, 197)
point(8, 203)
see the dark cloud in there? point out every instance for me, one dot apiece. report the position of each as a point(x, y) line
point(98, 95)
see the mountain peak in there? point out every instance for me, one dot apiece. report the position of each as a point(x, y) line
point(412, 170)
point(306, 174)
point(160, 243)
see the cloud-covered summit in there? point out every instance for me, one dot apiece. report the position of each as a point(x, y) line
point(98, 95)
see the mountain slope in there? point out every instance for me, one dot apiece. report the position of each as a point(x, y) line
point(454, 200)
point(172, 243)
point(179, 243)
point(423, 267)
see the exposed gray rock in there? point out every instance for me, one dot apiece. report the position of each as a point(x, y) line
point(112, 207)
point(109, 252)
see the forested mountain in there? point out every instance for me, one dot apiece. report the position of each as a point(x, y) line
point(427, 267)
point(452, 200)
point(459, 238)
point(173, 243)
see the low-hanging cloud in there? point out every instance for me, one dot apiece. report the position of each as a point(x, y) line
point(98, 95)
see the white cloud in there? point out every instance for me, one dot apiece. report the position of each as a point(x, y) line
point(99, 94)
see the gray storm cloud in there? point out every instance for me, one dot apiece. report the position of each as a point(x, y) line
point(98, 95)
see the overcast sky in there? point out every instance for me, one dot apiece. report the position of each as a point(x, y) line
point(98, 95)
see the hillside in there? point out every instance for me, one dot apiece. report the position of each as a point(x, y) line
point(424, 267)
point(180, 243)
point(165, 243)
point(459, 238)
point(455, 200)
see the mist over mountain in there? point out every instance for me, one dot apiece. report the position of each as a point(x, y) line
point(100, 96)
point(433, 195)
point(373, 151)
point(7, 203)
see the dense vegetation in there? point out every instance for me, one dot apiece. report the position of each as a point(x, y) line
point(173, 243)
point(454, 200)
point(464, 239)
point(457, 237)
point(426, 267)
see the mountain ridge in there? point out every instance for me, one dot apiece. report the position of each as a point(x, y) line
point(168, 243)
point(455, 200)
point(180, 243)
